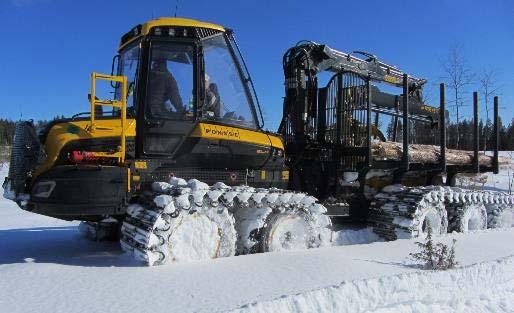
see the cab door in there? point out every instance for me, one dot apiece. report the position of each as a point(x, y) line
point(170, 97)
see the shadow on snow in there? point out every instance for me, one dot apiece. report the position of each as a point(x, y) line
point(59, 245)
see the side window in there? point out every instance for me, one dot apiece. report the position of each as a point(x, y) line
point(129, 66)
point(170, 93)
point(225, 95)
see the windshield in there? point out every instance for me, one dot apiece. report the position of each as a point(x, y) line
point(128, 66)
point(226, 98)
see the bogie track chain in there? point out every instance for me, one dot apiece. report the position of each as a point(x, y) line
point(405, 212)
point(242, 220)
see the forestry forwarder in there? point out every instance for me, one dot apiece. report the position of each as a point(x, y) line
point(185, 108)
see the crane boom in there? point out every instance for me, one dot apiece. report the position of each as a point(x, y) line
point(303, 62)
point(376, 69)
point(321, 58)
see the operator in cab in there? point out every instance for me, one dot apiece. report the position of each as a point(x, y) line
point(165, 100)
point(212, 99)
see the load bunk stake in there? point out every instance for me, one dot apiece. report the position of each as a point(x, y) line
point(496, 163)
point(442, 126)
point(405, 159)
point(476, 163)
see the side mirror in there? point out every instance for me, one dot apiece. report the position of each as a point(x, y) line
point(115, 64)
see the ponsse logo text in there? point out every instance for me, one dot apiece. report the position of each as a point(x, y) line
point(222, 132)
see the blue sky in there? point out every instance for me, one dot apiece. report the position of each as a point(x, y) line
point(51, 46)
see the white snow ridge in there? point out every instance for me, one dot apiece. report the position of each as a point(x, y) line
point(484, 287)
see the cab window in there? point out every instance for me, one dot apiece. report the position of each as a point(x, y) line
point(226, 99)
point(129, 66)
point(170, 93)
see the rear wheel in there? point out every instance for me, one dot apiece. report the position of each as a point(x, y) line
point(407, 212)
point(288, 231)
point(433, 219)
point(500, 216)
point(282, 220)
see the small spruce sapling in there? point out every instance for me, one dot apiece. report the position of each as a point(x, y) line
point(435, 256)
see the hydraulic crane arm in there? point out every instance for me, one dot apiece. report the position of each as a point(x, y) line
point(303, 62)
point(318, 58)
point(323, 58)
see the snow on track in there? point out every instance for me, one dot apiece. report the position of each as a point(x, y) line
point(45, 266)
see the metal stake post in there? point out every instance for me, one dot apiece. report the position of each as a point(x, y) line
point(405, 159)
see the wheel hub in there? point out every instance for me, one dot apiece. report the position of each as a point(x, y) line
point(433, 220)
point(288, 233)
point(195, 237)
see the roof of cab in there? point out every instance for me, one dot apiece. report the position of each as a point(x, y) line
point(178, 21)
point(170, 21)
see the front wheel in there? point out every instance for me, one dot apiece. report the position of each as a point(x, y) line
point(178, 224)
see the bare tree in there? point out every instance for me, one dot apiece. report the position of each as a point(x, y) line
point(489, 87)
point(458, 77)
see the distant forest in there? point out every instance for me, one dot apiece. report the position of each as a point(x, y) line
point(419, 134)
point(7, 129)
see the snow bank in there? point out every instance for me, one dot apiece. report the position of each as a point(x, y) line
point(485, 287)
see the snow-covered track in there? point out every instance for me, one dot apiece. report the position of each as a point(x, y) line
point(184, 221)
point(406, 212)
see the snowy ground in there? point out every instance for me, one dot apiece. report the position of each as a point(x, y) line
point(502, 181)
point(45, 266)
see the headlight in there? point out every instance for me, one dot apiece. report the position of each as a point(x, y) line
point(43, 189)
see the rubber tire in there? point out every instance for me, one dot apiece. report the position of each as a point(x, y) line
point(311, 232)
point(218, 216)
point(430, 214)
point(467, 217)
point(500, 216)
point(256, 225)
point(160, 251)
point(436, 219)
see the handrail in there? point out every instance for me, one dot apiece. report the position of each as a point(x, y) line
point(121, 104)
